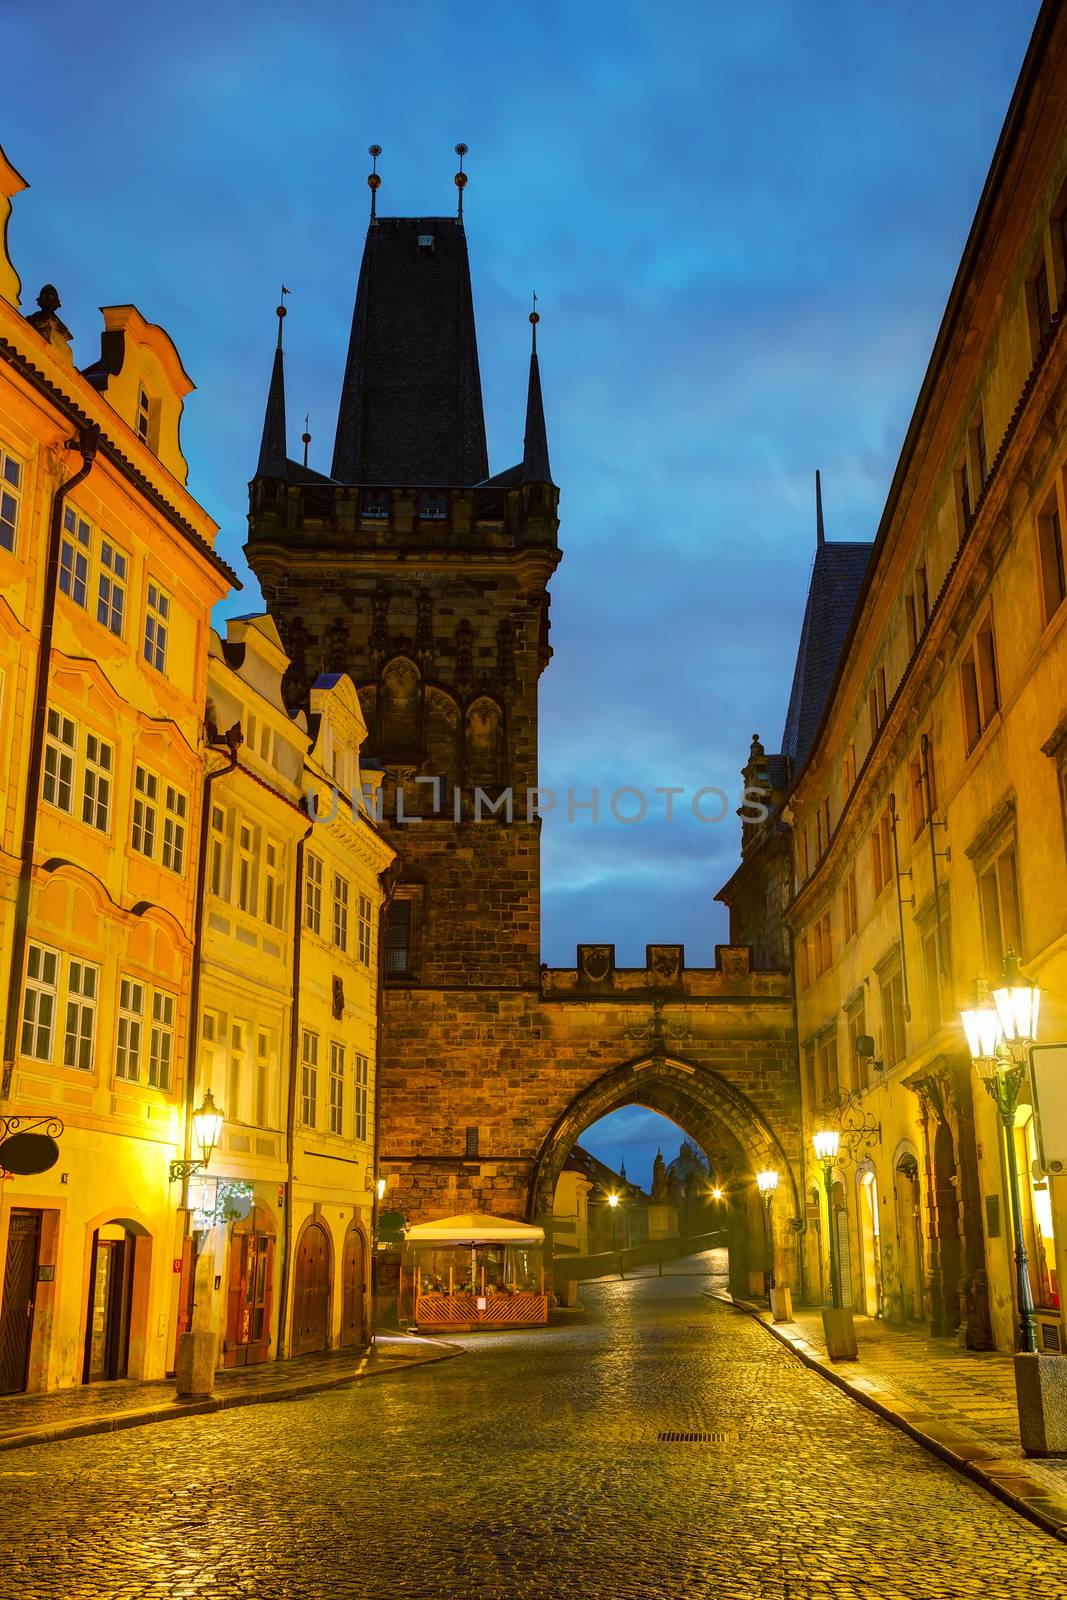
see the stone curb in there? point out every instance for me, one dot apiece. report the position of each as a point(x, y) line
point(1006, 1479)
point(174, 1410)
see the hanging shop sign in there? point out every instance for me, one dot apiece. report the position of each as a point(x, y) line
point(28, 1144)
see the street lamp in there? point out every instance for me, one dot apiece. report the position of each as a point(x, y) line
point(207, 1131)
point(826, 1143)
point(767, 1183)
point(1000, 1028)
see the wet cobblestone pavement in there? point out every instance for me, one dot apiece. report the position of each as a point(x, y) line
point(529, 1466)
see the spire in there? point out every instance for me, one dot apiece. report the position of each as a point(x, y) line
point(820, 531)
point(272, 449)
point(374, 183)
point(411, 398)
point(535, 467)
point(461, 178)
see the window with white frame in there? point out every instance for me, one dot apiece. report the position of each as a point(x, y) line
point(96, 782)
point(363, 930)
point(273, 896)
point(362, 1096)
point(75, 550)
point(111, 588)
point(60, 750)
point(309, 1078)
point(313, 893)
point(236, 1076)
point(337, 1087)
point(263, 1084)
point(145, 811)
point(80, 1033)
point(175, 809)
point(340, 911)
point(218, 852)
point(156, 627)
point(247, 896)
point(161, 1040)
point(39, 1002)
point(11, 471)
point(130, 1030)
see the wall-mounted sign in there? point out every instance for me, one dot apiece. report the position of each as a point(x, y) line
point(27, 1153)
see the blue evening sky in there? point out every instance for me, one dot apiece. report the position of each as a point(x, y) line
point(742, 218)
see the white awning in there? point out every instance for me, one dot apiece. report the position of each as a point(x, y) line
point(474, 1227)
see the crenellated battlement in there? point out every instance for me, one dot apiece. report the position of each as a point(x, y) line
point(664, 976)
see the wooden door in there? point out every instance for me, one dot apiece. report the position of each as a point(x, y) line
point(311, 1291)
point(354, 1289)
point(107, 1323)
point(16, 1308)
point(249, 1299)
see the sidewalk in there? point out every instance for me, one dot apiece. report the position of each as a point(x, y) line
point(103, 1407)
point(958, 1403)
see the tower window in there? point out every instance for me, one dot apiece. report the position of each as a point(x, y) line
point(375, 506)
point(425, 241)
point(144, 415)
point(433, 507)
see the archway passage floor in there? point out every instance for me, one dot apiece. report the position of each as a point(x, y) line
point(530, 1466)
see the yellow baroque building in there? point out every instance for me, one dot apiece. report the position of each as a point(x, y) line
point(924, 777)
point(283, 1216)
point(107, 579)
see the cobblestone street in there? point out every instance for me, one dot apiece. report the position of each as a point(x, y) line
point(529, 1466)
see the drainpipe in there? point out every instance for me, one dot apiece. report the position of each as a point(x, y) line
point(86, 443)
point(290, 1103)
point(232, 741)
point(388, 881)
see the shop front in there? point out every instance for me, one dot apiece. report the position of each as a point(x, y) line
point(475, 1271)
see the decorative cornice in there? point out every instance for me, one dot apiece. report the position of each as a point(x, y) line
point(1000, 819)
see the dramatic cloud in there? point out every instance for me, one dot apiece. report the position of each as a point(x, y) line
point(742, 222)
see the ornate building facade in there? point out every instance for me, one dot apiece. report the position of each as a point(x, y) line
point(920, 793)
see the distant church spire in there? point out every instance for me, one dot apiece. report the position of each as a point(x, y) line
point(374, 183)
point(461, 177)
point(535, 467)
point(272, 448)
point(820, 531)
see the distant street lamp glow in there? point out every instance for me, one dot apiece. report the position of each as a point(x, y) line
point(716, 1194)
point(613, 1200)
point(766, 1182)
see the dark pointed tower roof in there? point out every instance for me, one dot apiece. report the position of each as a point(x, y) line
point(535, 467)
point(411, 401)
point(272, 450)
point(836, 576)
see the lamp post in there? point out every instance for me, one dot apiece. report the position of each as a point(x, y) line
point(207, 1122)
point(826, 1144)
point(1000, 1029)
point(767, 1183)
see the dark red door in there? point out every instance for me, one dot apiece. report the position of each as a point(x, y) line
point(354, 1286)
point(311, 1291)
point(16, 1308)
point(248, 1311)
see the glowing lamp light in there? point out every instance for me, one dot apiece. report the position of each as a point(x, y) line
point(613, 1200)
point(1017, 1003)
point(766, 1182)
point(826, 1143)
point(716, 1194)
point(381, 1188)
point(207, 1126)
point(982, 1025)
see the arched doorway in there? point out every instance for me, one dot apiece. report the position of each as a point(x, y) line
point(311, 1290)
point(870, 1241)
point(110, 1303)
point(249, 1298)
point(721, 1121)
point(354, 1288)
point(946, 1201)
point(909, 1225)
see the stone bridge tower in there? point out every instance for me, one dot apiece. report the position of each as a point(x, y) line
point(425, 578)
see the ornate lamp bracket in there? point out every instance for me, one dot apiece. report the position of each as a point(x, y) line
point(858, 1133)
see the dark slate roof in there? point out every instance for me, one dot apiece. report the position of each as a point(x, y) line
point(411, 401)
point(598, 1172)
point(535, 467)
point(836, 575)
point(272, 460)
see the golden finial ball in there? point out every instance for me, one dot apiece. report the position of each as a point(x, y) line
point(461, 180)
point(373, 181)
point(535, 317)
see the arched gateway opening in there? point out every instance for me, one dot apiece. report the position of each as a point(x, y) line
point(722, 1122)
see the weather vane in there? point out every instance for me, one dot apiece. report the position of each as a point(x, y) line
point(461, 176)
point(374, 183)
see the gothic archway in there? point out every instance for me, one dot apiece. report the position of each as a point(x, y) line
point(713, 1111)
